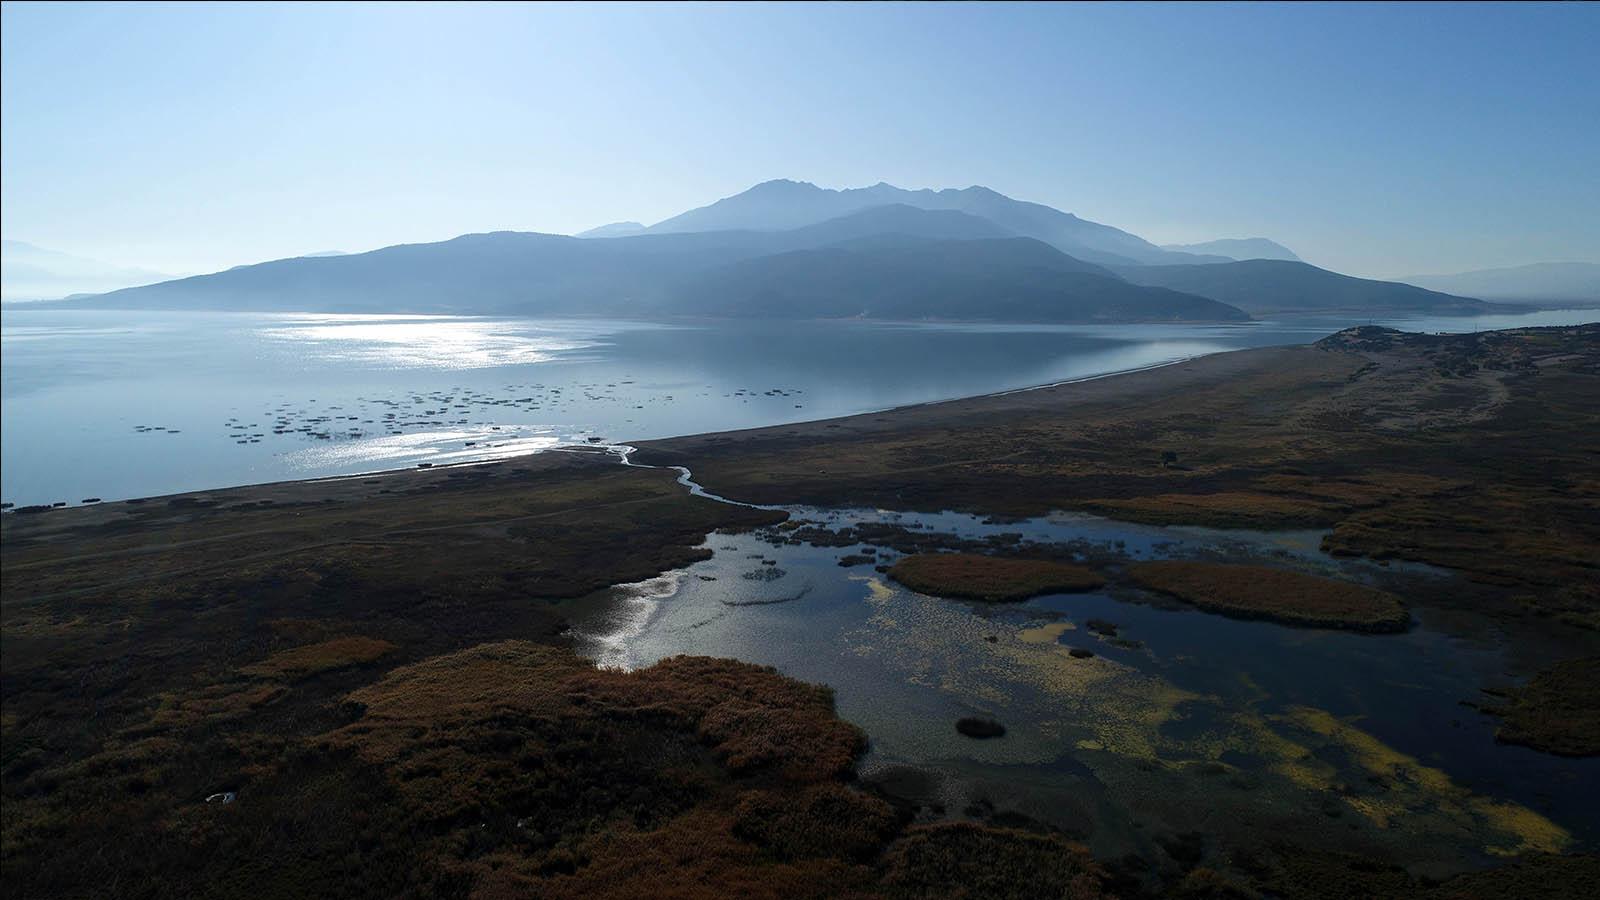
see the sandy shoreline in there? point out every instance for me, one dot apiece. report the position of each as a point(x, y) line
point(293, 488)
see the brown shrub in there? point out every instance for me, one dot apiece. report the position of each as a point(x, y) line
point(692, 857)
point(960, 859)
point(457, 725)
point(824, 820)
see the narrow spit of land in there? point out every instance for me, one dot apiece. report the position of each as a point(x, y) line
point(360, 686)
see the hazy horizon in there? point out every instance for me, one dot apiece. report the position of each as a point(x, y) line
point(1373, 140)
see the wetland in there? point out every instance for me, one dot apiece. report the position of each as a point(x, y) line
point(562, 676)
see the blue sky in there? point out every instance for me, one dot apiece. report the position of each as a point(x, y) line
point(1376, 140)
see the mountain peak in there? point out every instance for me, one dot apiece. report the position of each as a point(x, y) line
point(783, 185)
point(615, 229)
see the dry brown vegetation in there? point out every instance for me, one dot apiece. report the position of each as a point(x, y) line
point(934, 858)
point(1295, 872)
point(338, 659)
point(1279, 595)
point(994, 579)
point(314, 659)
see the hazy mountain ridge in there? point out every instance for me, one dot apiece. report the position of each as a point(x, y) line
point(891, 260)
point(784, 204)
point(1553, 282)
point(614, 229)
point(1018, 280)
point(951, 254)
point(1260, 286)
point(1238, 249)
point(30, 273)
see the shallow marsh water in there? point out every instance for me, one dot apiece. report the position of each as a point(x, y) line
point(118, 404)
point(1229, 728)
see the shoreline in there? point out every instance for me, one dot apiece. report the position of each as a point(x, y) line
point(107, 492)
point(609, 445)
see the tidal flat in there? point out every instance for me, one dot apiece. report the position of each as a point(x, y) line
point(394, 677)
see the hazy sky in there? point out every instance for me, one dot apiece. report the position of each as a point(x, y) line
point(1376, 140)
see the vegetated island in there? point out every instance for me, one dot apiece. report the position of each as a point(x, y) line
point(362, 686)
point(1277, 595)
point(992, 579)
point(1556, 711)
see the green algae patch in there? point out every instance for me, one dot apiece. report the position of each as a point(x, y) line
point(1278, 595)
point(1416, 792)
point(1558, 711)
point(993, 579)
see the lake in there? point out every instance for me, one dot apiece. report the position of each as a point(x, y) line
point(111, 405)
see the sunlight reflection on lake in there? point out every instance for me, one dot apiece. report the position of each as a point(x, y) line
point(117, 404)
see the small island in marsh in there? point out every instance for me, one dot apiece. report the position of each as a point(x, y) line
point(1278, 595)
point(992, 579)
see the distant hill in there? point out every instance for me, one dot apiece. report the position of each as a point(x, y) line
point(1238, 249)
point(524, 272)
point(615, 229)
point(1557, 282)
point(1276, 286)
point(498, 272)
point(34, 273)
point(783, 204)
point(891, 260)
point(997, 279)
point(792, 249)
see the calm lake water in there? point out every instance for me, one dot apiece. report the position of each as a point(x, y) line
point(126, 404)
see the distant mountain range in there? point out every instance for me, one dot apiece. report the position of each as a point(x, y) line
point(1260, 286)
point(615, 229)
point(1012, 279)
point(34, 273)
point(784, 204)
point(788, 249)
point(1556, 282)
point(1238, 249)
